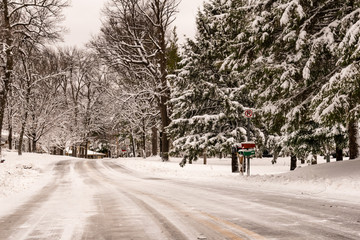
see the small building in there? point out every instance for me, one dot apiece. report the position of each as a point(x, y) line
point(57, 151)
point(95, 155)
point(90, 154)
point(4, 138)
point(15, 141)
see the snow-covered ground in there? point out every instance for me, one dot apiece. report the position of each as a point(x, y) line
point(19, 173)
point(336, 179)
point(340, 180)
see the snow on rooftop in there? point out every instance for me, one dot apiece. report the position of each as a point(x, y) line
point(89, 152)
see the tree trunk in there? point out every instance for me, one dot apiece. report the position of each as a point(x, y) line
point(165, 91)
point(160, 141)
point(73, 153)
point(339, 153)
point(327, 157)
point(165, 144)
point(154, 141)
point(133, 145)
point(339, 143)
point(117, 147)
point(86, 148)
point(29, 145)
point(144, 139)
point(9, 62)
point(314, 160)
point(234, 160)
point(34, 145)
point(205, 156)
point(353, 137)
point(26, 114)
point(10, 137)
point(21, 137)
point(10, 122)
point(2, 108)
point(293, 161)
point(275, 156)
point(81, 152)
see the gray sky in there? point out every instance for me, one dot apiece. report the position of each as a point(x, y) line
point(82, 19)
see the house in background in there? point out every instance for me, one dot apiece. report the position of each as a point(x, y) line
point(95, 155)
point(57, 151)
point(81, 153)
point(4, 138)
point(15, 141)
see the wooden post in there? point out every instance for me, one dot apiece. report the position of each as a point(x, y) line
point(248, 166)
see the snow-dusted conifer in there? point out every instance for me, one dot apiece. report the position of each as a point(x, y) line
point(294, 55)
point(338, 101)
point(206, 95)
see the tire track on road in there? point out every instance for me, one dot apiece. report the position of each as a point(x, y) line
point(223, 227)
point(296, 216)
point(214, 226)
point(122, 212)
point(21, 223)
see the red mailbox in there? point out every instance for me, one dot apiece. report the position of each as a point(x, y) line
point(247, 145)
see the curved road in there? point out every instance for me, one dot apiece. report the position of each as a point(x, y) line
point(100, 199)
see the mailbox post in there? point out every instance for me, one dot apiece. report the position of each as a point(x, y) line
point(247, 150)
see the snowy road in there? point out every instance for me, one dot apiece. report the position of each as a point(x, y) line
point(101, 199)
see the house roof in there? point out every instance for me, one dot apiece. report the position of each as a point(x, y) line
point(89, 153)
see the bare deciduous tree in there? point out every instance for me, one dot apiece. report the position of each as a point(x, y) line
point(134, 39)
point(26, 21)
point(83, 84)
point(37, 89)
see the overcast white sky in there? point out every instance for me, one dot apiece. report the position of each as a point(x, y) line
point(82, 19)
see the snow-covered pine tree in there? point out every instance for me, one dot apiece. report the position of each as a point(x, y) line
point(295, 43)
point(246, 60)
point(206, 94)
point(258, 56)
point(338, 102)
